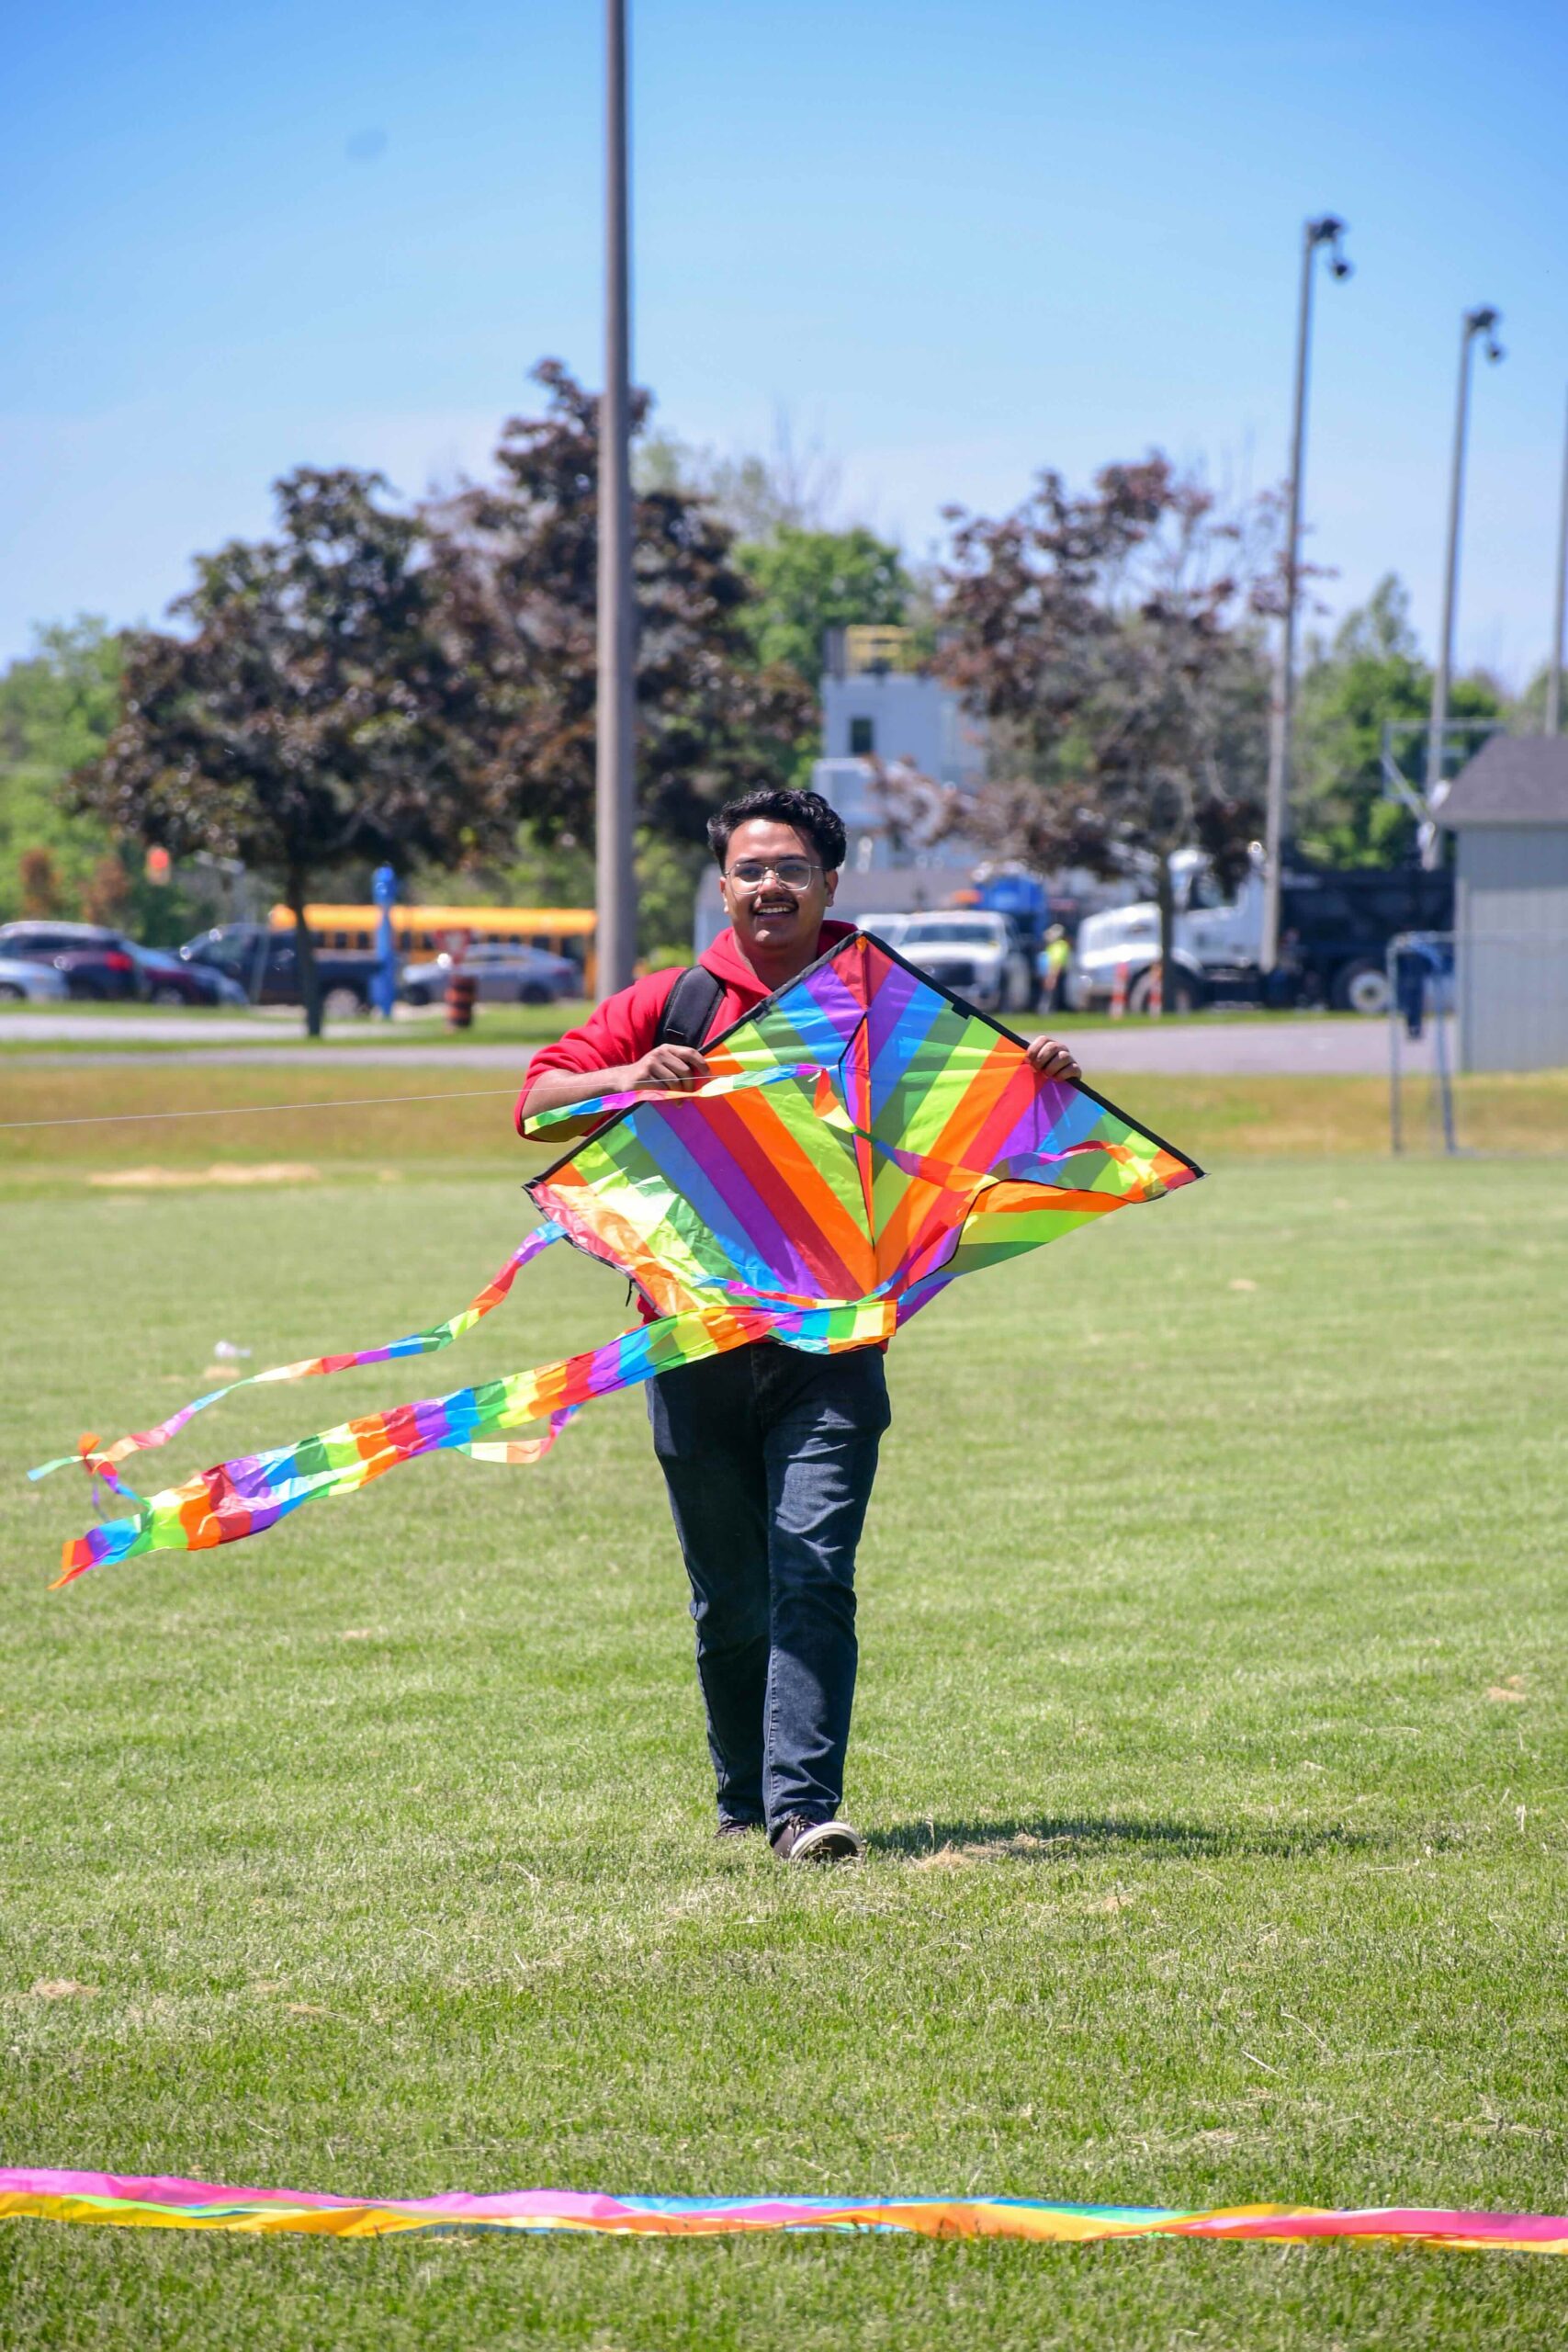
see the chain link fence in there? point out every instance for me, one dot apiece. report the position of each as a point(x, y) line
point(1478, 1042)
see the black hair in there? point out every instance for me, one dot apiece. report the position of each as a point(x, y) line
point(807, 811)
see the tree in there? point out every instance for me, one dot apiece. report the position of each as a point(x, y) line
point(107, 899)
point(57, 708)
point(1526, 711)
point(1370, 675)
point(39, 884)
point(809, 582)
point(1110, 638)
point(809, 575)
point(517, 561)
point(755, 495)
point(314, 714)
point(560, 872)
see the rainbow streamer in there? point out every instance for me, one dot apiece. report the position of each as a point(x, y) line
point(862, 1139)
point(134, 2201)
point(100, 1461)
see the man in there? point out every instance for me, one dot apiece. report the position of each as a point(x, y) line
point(768, 1454)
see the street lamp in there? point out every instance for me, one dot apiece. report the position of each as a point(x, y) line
point(616, 716)
point(1324, 233)
point(1482, 322)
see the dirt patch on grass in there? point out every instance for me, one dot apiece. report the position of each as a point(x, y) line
point(221, 1172)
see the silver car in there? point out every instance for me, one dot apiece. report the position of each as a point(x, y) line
point(36, 983)
point(504, 971)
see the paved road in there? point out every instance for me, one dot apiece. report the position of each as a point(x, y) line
point(1291, 1045)
point(73, 1028)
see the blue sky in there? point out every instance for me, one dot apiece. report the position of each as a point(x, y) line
point(953, 242)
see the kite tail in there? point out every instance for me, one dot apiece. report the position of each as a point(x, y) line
point(252, 1493)
point(142, 2202)
point(516, 1450)
point(99, 1461)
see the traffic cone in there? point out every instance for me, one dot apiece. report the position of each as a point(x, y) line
point(1118, 993)
point(461, 990)
point(1156, 988)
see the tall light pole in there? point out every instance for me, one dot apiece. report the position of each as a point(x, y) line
point(1327, 233)
point(1483, 320)
point(1554, 672)
point(616, 768)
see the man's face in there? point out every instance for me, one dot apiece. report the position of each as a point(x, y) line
point(770, 911)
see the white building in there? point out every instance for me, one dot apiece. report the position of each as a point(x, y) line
point(1509, 810)
point(880, 714)
point(876, 705)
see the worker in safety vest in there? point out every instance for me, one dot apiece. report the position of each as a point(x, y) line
point(1054, 957)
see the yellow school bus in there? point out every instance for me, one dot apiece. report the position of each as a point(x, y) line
point(423, 931)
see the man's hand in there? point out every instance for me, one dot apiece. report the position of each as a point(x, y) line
point(1051, 1058)
point(678, 1067)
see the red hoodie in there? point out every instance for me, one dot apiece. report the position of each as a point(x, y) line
point(624, 1027)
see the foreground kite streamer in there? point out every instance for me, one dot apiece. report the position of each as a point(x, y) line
point(134, 2202)
point(864, 1139)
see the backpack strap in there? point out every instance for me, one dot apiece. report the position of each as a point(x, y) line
point(689, 1008)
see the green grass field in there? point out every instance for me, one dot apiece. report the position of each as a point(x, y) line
point(102, 1029)
point(77, 1124)
point(1210, 1743)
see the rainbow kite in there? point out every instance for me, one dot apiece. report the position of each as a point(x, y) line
point(133, 2201)
point(864, 1140)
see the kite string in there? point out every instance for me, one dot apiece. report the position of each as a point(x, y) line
point(600, 1106)
point(258, 1109)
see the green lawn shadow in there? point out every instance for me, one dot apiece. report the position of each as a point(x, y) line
point(1042, 1839)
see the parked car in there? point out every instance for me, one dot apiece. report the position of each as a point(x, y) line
point(21, 980)
point(503, 971)
point(171, 981)
point(970, 950)
point(265, 964)
point(97, 962)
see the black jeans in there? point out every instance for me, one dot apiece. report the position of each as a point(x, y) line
point(769, 1455)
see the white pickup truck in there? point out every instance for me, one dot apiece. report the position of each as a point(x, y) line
point(967, 949)
point(1210, 933)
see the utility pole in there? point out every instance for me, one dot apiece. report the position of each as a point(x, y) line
point(1325, 232)
point(615, 769)
point(1554, 672)
point(1483, 320)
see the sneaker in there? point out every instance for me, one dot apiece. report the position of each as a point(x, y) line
point(728, 1828)
point(796, 1840)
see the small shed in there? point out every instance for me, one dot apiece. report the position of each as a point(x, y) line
point(1508, 811)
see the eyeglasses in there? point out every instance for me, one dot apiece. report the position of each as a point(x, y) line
point(795, 873)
